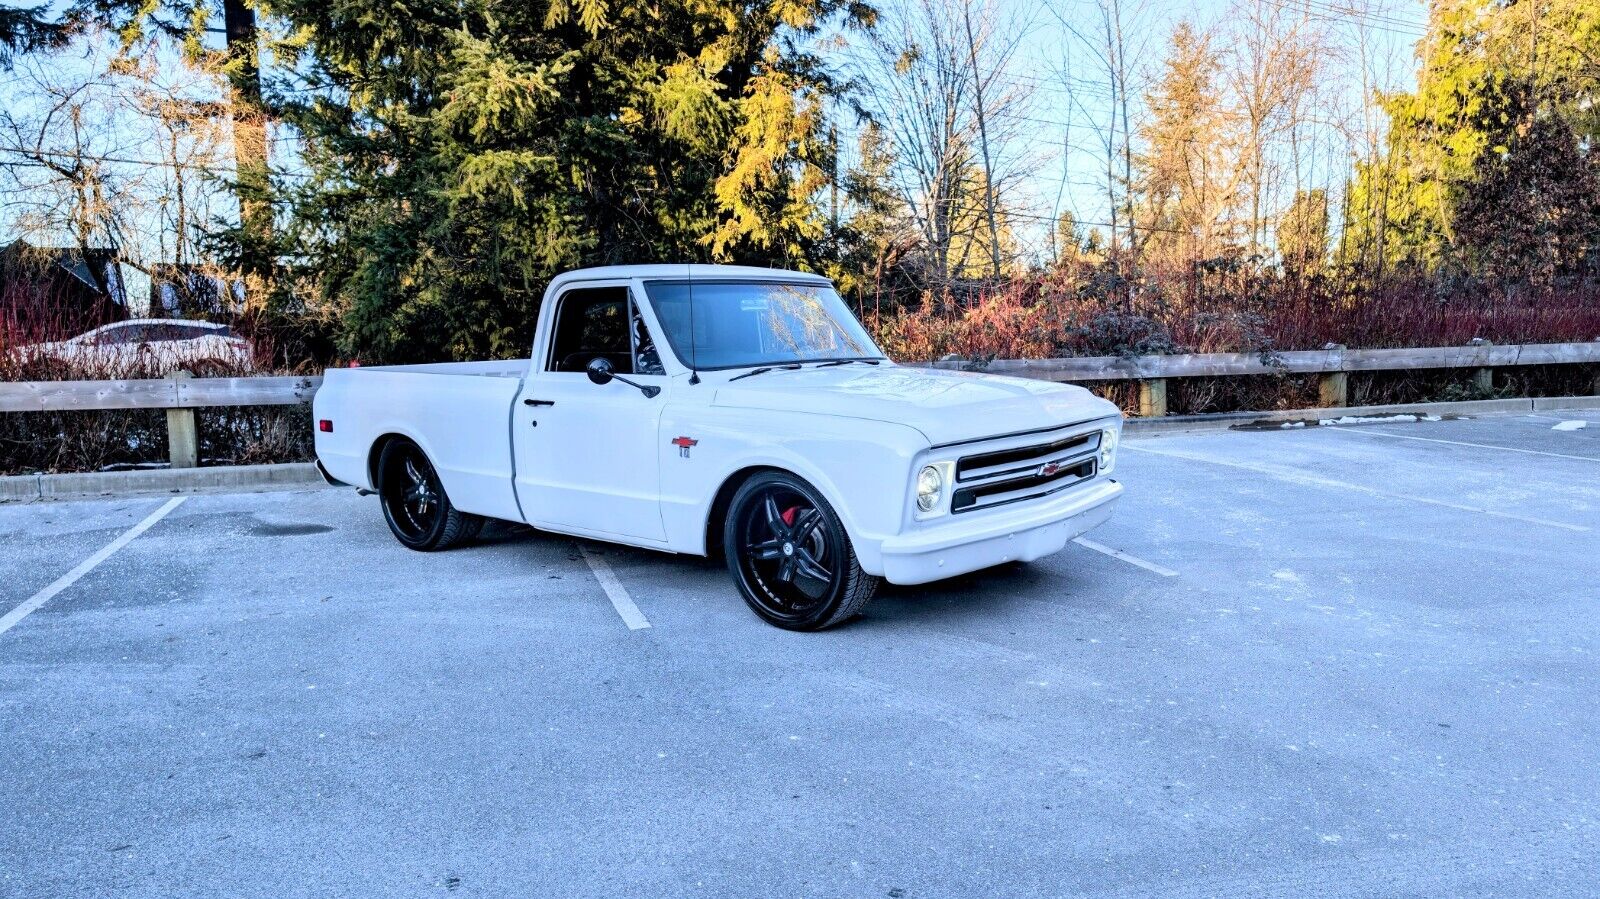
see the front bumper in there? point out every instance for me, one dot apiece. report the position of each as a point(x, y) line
point(959, 545)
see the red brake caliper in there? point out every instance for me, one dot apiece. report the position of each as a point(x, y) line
point(789, 514)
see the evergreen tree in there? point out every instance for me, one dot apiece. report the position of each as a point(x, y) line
point(23, 30)
point(463, 152)
point(1303, 234)
point(1491, 75)
point(1533, 213)
point(1068, 242)
point(1187, 178)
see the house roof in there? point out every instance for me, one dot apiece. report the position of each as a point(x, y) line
point(80, 264)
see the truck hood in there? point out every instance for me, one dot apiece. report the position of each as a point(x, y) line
point(946, 406)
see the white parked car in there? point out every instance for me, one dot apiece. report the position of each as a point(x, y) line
point(141, 340)
point(705, 409)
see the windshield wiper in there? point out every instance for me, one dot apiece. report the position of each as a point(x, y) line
point(761, 371)
point(847, 362)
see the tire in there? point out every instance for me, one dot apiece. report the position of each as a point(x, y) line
point(790, 556)
point(419, 512)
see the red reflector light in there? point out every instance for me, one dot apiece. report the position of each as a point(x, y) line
point(325, 426)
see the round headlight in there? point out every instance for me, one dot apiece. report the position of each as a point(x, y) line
point(929, 486)
point(1108, 451)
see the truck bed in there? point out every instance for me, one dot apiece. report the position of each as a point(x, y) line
point(458, 412)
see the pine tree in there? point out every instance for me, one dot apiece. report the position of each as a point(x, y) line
point(1187, 180)
point(1303, 234)
point(24, 30)
point(463, 153)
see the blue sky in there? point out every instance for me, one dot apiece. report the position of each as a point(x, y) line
point(1064, 120)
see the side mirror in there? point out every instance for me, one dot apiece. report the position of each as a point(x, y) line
point(601, 371)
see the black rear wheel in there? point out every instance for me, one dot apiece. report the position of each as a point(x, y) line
point(418, 510)
point(791, 557)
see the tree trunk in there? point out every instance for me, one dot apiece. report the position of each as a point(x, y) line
point(983, 143)
point(249, 121)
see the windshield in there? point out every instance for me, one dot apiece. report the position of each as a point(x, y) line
point(738, 324)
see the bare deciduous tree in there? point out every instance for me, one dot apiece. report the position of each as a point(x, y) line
point(1273, 70)
point(109, 151)
point(936, 80)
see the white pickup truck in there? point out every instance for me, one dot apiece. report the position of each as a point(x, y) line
point(717, 409)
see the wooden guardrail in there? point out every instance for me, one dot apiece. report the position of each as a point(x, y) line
point(179, 394)
point(1334, 364)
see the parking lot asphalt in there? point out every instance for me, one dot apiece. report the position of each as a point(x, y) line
point(1333, 660)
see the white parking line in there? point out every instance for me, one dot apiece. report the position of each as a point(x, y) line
point(1311, 480)
point(1565, 415)
point(1086, 543)
point(618, 594)
point(66, 580)
point(1368, 432)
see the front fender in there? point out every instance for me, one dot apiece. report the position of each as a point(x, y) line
point(862, 468)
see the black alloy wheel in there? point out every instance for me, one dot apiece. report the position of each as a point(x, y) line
point(418, 510)
point(791, 557)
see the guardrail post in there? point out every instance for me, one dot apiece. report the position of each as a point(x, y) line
point(1153, 398)
point(1482, 378)
point(183, 432)
point(1333, 387)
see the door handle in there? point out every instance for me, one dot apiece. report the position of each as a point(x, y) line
point(538, 402)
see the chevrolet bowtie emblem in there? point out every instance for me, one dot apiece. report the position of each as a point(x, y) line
point(1048, 469)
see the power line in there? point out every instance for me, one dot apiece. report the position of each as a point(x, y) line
point(33, 155)
point(1345, 16)
point(89, 157)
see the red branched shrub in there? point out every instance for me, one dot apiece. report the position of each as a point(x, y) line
point(1229, 308)
point(1042, 316)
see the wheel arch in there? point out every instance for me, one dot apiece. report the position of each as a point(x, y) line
point(376, 452)
point(717, 512)
point(723, 499)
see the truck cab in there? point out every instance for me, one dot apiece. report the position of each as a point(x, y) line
point(718, 409)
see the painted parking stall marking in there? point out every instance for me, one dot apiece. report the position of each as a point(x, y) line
point(618, 594)
point(1130, 558)
point(1368, 432)
point(32, 603)
point(1291, 476)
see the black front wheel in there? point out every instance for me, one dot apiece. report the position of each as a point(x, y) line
point(791, 557)
point(418, 510)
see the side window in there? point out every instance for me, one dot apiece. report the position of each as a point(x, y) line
point(165, 333)
point(646, 360)
point(124, 334)
point(592, 322)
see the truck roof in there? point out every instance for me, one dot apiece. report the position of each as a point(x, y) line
point(682, 270)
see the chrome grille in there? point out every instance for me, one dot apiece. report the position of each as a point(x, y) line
point(1014, 474)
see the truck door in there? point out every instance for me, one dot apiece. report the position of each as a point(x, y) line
point(586, 454)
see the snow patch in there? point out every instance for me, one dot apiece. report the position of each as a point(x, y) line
point(1577, 425)
point(1374, 419)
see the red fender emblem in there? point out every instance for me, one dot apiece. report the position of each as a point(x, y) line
point(683, 444)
